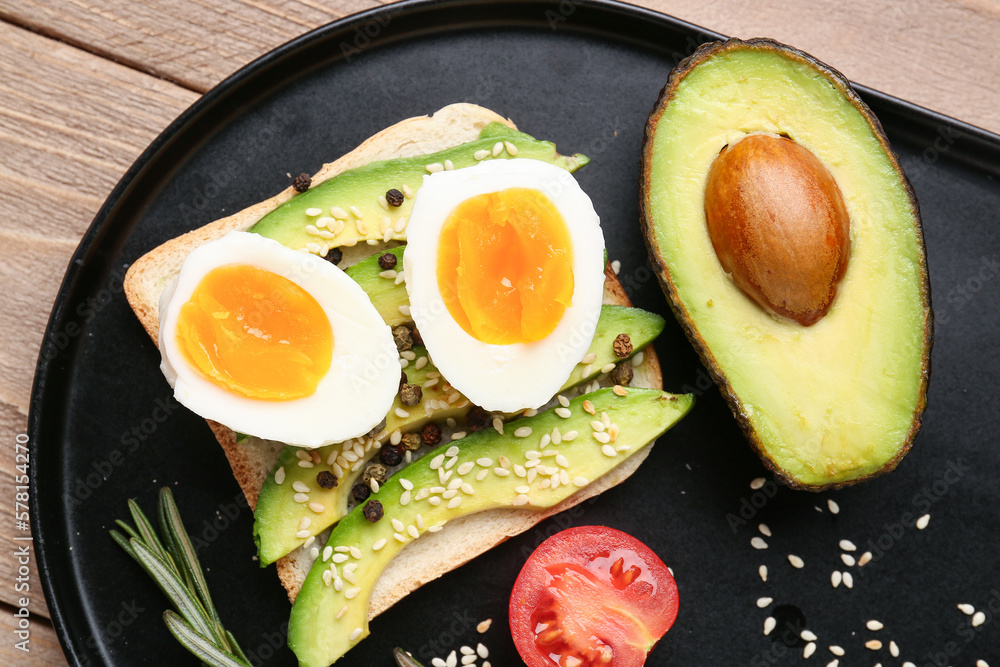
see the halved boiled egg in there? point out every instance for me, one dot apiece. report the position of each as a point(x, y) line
point(276, 343)
point(504, 267)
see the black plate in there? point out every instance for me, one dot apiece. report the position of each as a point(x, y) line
point(584, 75)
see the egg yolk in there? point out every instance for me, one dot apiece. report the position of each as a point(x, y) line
point(255, 333)
point(505, 266)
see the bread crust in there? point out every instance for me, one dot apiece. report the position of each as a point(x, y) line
point(252, 460)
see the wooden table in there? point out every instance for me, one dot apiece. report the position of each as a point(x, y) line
point(87, 84)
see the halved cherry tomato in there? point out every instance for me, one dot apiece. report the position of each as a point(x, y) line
point(591, 597)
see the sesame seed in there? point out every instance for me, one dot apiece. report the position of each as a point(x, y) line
point(894, 649)
point(437, 461)
point(349, 575)
point(399, 537)
point(847, 545)
point(762, 571)
point(314, 552)
point(866, 558)
point(438, 662)
point(400, 224)
point(454, 502)
point(482, 651)
point(638, 359)
point(757, 483)
point(809, 649)
point(848, 559)
point(302, 534)
point(502, 472)
point(279, 475)
point(873, 644)
point(597, 425)
point(481, 154)
point(589, 358)
point(569, 436)
point(833, 663)
point(458, 435)
point(466, 468)
point(848, 580)
point(607, 449)
point(327, 577)
point(808, 635)
point(497, 148)
point(373, 483)
point(764, 529)
point(769, 625)
point(764, 602)
point(967, 609)
point(580, 482)
point(481, 475)
point(404, 310)
point(520, 470)
point(301, 487)
point(520, 499)
point(338, 213)
point(905, 664)
point(562, 461)
point(619, 390)
point(588, 407)
point(758, 543)
point(923, 521)
point(434, 529)
point(981, 663)
point(305, 464)
point(836, 650)
point(835, 578)
point(563, 401)
point(300, 498)
point(434, 167)
point(342, 549)
point(512, 149)
point(978, 619)
point(338, 558)
point(378, 544)
point(498, 425)
point(607, 368)
point(327, 552)
point(834, 507)
point(448, 165)
point(317, 507)
point(603, 438)
point(357, 631)
point(522, 432)
point(467, 489)
point(412, 531)
point(434, 500)
point(564, 413)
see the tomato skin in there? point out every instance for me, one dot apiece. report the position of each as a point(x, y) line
point(591, 596)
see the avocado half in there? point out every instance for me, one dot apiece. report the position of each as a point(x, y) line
point(838, 401)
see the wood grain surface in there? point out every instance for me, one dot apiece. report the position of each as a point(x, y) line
point(85, 85)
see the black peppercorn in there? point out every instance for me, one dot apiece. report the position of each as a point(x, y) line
point(302, 182)
point(477, 419)
point(622, 374)
point(622, 345)
point(361, 492)
point(394, 197)
point(334, 256)
point(390, 455)
point(387, 261)
point(373, 511)
point(410, 394)
point(430, 434)
point(326, 479)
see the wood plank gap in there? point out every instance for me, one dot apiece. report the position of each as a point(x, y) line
point(92, 49)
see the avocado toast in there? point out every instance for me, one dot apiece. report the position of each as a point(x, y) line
point(257, 463)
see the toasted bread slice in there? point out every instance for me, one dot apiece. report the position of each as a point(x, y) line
point(251, 461)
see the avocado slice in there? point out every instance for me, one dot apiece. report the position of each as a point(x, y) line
point(839, 400)
point(352, 207)
point(278, 518)
point(483, 471)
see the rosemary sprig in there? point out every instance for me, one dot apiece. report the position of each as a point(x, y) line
point(404, 659)
point(173, 565)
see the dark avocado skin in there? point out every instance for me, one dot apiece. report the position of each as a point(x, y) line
point(704, 53)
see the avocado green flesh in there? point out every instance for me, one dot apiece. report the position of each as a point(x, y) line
point(316, 634)
point(361, 188)
point(277, 515)
point(836, 401)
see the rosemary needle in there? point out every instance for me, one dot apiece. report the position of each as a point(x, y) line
point(173, 565)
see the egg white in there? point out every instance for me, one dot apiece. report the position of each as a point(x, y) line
point(512, 377)
point(352, 397)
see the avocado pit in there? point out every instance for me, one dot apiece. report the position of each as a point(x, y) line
point(779, 226)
